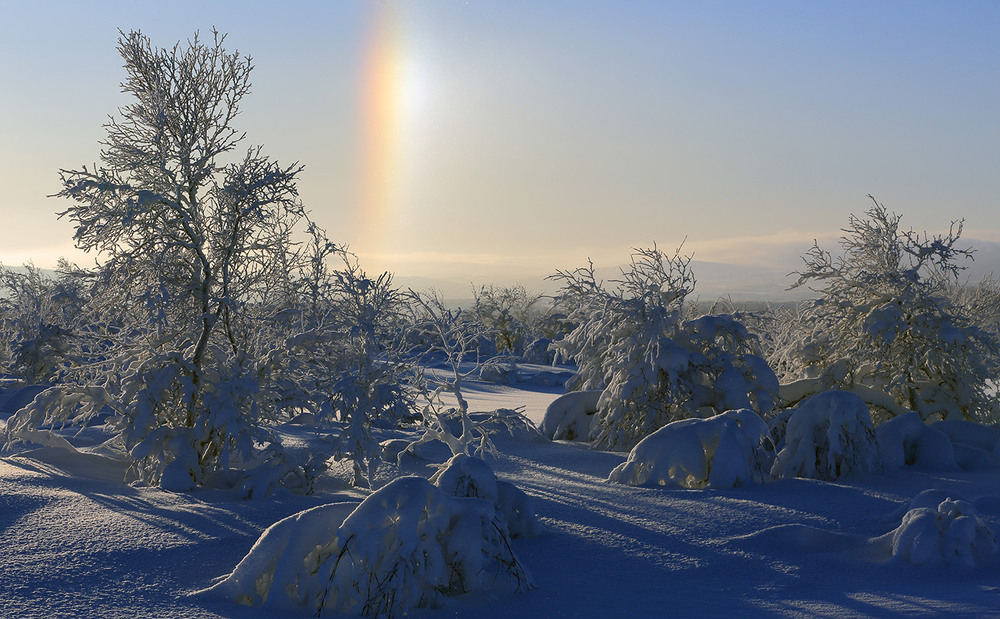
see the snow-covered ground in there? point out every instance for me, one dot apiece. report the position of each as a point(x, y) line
point(77, 543)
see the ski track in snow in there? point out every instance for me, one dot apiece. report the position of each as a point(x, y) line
point(87, 546)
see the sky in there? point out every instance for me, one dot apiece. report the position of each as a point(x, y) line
point(501, 140)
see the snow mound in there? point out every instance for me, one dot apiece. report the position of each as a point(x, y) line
point(718, 452)
point(800, 538)
point(570, 415)
point(469, 476)
point(950, 533)
point(907, 441)
point(977, 447)
point(406, 546)
point(828, 436)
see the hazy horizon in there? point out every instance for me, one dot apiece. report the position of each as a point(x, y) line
point(493, 141)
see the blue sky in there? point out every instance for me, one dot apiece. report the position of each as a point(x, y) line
point(532, 135)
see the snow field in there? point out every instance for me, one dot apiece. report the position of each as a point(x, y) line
point(81, 544)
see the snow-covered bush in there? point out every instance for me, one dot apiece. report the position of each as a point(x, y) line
point(907, 441)
point(949, 532)
point(654, 366)
point(718, 452)
point(569, 417)
point(406, 546)
point(469, 476)
point(828, 436)
point(885, 322)
point(511, 315)
point(369, 390)
point(976, 446)
point(40, 320)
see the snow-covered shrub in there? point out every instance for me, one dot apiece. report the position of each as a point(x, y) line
point(907, 441)
point(539, 352)
point(986, 438)
point(471, 433)
point(406, 546)
point(653, 366)
point(828, 436)
point(949, 532)
point(370, 390)
point(501, 369)
point(569, 417)
point(341, 359)
point(885, 322)
point(718, 452)
point(469, 476)
point(40, 317)
point(976, 446)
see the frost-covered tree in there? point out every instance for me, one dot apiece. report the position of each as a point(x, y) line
point(40, 320)
point(370, 390)
point(511, 314)
point(654, 365)
point(196, 249)
point(885, 324)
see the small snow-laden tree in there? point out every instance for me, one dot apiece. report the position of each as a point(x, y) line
point(717, 452)
point(828, 436)
point(884, 323)
point(451, 334)
point(933, 531)
point(342, 359)
point(39, 320)
point(371, 390)
point(196, 244)
point(654, 366)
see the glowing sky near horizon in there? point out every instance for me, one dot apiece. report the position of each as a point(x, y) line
point(491, 140)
